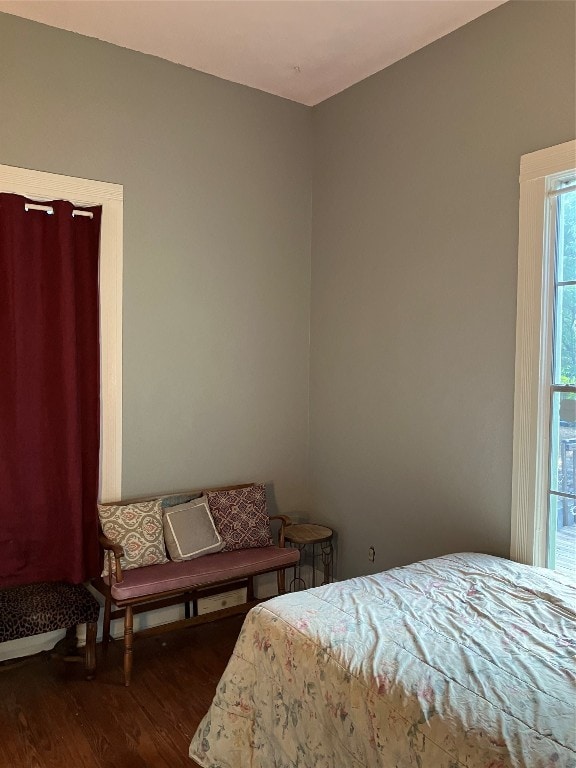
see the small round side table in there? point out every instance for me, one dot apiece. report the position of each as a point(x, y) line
point(302, 535)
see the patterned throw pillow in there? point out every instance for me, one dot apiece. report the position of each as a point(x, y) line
point(136, 527)
point(240, 516)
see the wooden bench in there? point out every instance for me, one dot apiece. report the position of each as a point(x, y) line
point(156, 586)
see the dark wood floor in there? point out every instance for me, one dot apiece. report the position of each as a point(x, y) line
point(51, 717)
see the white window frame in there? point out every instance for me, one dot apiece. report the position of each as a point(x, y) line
point(539, 171)
point(84, 192)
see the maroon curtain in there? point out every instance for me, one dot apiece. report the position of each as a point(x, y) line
point(49, 392)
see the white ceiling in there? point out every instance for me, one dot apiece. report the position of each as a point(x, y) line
point(303, 50)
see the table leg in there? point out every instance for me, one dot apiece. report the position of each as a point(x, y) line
point(313, 564)
point(328, 561)
point(297, 582)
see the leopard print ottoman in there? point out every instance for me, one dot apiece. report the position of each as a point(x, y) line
point(35, 608)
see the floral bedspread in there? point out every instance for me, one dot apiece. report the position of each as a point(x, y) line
point(464, 660)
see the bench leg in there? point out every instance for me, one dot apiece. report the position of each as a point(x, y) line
point(250, 589)
point(281, 578)
point(90, 650)
point(128, 638)
point(106, 625)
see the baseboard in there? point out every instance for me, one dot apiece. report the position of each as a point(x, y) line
point(28, 646)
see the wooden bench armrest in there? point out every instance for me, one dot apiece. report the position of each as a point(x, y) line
point(284, 522)
point(113, 552)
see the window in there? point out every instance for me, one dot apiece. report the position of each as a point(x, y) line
point(84, 192)
point(544, 472)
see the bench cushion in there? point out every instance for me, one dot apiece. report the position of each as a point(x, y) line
point(209, 569)
point(32, 609)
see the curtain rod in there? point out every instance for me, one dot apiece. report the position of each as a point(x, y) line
point(50, 210)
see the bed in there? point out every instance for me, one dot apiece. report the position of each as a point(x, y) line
point(464, 660)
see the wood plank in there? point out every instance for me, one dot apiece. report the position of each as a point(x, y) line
point(51, 717)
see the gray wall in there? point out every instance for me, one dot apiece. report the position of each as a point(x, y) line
point(217, 249)
point(415, 200)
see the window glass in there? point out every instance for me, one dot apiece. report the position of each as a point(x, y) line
point(562, 497)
